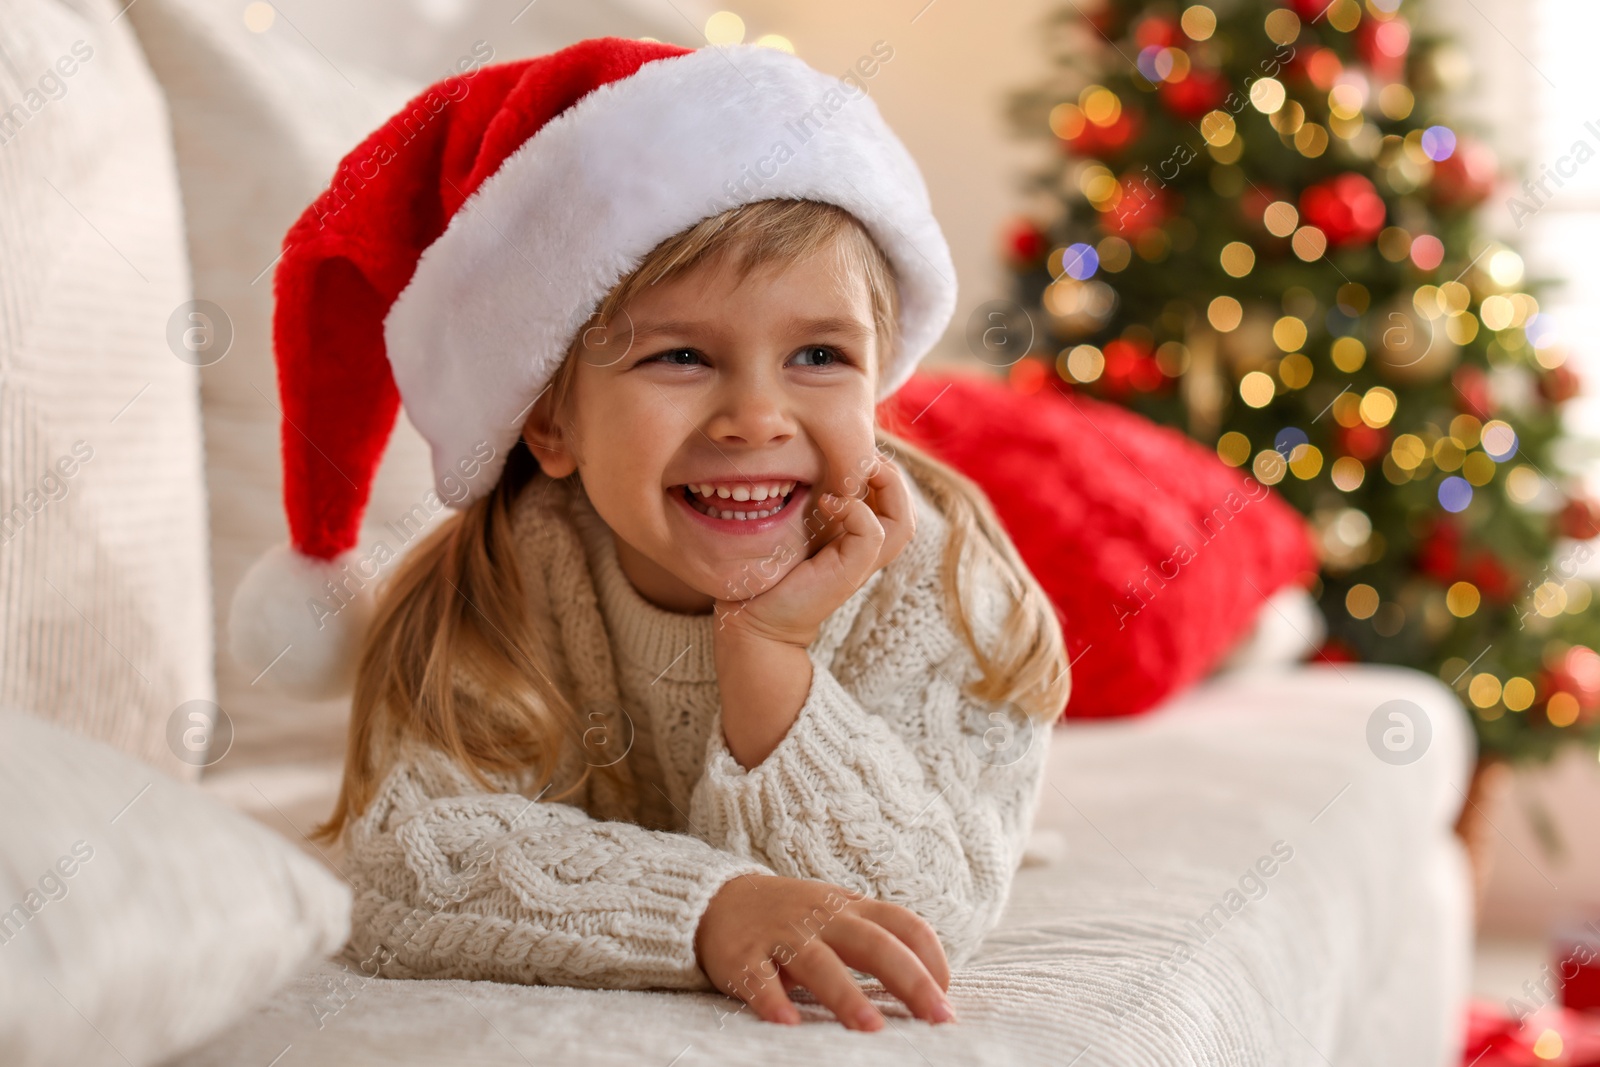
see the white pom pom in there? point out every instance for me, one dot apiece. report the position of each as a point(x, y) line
point(287, 627)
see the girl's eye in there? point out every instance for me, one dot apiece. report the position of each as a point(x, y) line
point(670, 357)
point(828, 355)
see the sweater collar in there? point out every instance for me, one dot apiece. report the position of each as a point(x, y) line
point(678, 646)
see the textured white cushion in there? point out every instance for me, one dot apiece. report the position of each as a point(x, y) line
point(260, 120)
point(105, 600)
point(140, 916)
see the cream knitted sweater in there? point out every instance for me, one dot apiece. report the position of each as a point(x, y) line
point(890, 782)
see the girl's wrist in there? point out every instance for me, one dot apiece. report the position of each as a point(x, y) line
point(764, 683)
point(738, 629)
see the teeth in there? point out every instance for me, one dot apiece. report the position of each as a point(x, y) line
point(742, 493)
point(741, 516)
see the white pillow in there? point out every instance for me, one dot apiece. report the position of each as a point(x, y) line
point(105, 589)
point(139, 916)
point(260, 120)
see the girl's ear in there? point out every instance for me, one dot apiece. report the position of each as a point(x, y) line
point(547, 440)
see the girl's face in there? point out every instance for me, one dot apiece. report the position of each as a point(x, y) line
point(748, 388)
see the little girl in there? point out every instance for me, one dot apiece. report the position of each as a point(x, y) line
point(711, 683)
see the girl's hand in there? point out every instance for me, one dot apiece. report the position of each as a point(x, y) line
point(868, 534)
point(762, 935)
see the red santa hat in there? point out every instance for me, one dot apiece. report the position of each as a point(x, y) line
point(461, 246)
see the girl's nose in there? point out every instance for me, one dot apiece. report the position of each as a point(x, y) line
point(751, 412)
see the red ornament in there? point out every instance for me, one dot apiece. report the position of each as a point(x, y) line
point(1108, 141)
point(1560, 384)
point(1130, 366)
point(1439, 553)
point(1485, 571)
point(1027, 375)
point(1156, 32)
point(1200, 92)
point(1577, 673)
point(1472, 391)
point(1383, 45)
point(1362, 441)
point(1320, 67)
point(1495, 1039)
point(1143, 207)
point(1253, 203)
point(1580, 519)
point(1309, 10)
point(1347, 208)
point(1466, 177)
point(1024, 242)
point(1106, 20)
point(1442, 557)
point(1334, 650)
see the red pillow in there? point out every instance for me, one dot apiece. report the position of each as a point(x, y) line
point(1157, 555)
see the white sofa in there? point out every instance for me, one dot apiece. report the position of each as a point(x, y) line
point(1355, 951)
point(1143, 928)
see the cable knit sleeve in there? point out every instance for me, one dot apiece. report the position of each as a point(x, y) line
point(455, 882)
point(891, 781)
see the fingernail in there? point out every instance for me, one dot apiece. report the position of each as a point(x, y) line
point(943, 1013)
point(867, 1018)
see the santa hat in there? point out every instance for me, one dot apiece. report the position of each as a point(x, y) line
point(460, 247)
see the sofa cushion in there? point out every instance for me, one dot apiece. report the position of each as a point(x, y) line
point(140, 915)
point(260, 120)
point(105, 598)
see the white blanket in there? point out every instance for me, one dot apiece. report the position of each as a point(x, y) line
point(1142, 929)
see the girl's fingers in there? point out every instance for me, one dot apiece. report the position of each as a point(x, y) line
point(891, 500)
point(819, 969)
point(768, 997)
point(856, 547)
point(917, 934)
point(872, 949)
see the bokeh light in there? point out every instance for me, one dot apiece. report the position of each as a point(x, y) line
point(1439, 142)
point(1455, 493)
point(1361, 601)
point(1462, 599)
point(724, 27)
point(1080, 261)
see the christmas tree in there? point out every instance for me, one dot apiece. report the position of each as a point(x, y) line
point(1261, 229)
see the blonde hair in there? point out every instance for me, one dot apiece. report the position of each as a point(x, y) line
point(452, 658)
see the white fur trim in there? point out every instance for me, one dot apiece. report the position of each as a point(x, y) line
point(527, 258)
point(287, 628)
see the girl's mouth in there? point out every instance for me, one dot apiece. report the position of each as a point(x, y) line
point(717, 506)
point(705, 505)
